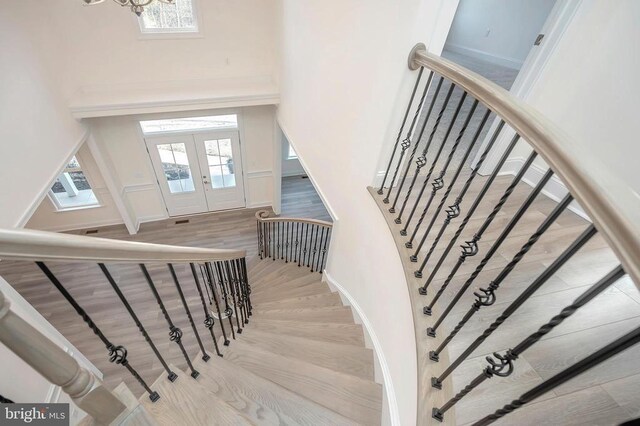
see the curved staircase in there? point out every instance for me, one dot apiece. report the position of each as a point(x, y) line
point(300, 360)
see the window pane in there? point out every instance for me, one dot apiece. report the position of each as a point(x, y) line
point(163, 17)
point(72, 189)
point(220, 160)
point(292, 153)
point(175, 165)
point(191, 123)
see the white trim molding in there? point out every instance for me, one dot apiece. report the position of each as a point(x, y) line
point(139, 187)
point(394, 411)
point(504, 61)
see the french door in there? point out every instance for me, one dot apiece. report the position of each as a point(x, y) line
point(198, 172)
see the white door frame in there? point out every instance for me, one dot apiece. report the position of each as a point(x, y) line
point(534, 65)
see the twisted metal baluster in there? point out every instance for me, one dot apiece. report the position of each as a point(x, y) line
point(576, 369)
point(242, 289)
point(325, 248)
point(222, 285)
point(208, 319)
point(406, 143)
point(584, 237)
point(470, 248)
point(438, 183)
point(237, 298)
point(422, 161)
point(319, 251)
point(306, 240)
point(117, 354)
point(229, 280)
point(404, 121)
point(466, 219)
point(312, 255)
point(171, 375)
point(286, 245)
point(210, 280)
point(175, 334)
point(453, 210)
point(205, 356)
point(488, 296)
point(415, 147)
point(492, 250)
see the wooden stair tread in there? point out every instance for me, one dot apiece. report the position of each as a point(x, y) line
point(284, 280)
point(272, 296)
point(350, 334)
point(348, 359)
point(262, 401)
point(339, 314)
point(186, 401)
point(350, 396)
point(316, 301)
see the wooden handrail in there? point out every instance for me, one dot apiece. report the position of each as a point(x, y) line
point(600, 198)
point(263, 216)
point(25, 244)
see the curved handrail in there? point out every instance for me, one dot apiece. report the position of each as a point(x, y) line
point(263, 216)
point(23, 244)
point(615, 224)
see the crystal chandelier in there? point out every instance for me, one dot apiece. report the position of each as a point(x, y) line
point(137, 6)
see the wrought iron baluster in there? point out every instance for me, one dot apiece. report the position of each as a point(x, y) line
point(208, 268)
point(171, 375)
point(286, 244)
point(470, 248)
point(247, 285)
point(222, 284)
point(406, 143)
point(453, 210)
point(492, 250)
point(519, 301)
point(209, 322)
point(242, 290)
point(467, 218)
point(205, 356)
point(325, 248)
point(417, 142)
point(488, 295)
point(438, 183)
point(229, 282)
point(175, 334)
point(296, 243)
point(312, 255)
point(404, 121)
point(306, 239)
point(319, 251)
point(117, 354)
point(422, 161)
point(596, 358)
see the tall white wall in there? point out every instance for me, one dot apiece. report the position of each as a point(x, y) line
point(344, 80)
point(500, 31)
point(589, 88)
point(37, 133)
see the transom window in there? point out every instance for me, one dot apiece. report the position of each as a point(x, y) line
point(160, 17)
point(173, 125)
point(292, 154)
point(72, 190)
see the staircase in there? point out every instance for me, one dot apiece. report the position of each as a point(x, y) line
point(300, 360)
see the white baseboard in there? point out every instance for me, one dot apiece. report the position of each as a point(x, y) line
point(394, 412)
point(504, 61)
point(86, 225)
point(554, 189)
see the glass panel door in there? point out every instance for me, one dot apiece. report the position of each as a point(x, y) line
point(176, 165)
point(221, 164)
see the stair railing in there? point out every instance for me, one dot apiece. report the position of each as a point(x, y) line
point(301, 241)
point(419, 241)
point(222, 273)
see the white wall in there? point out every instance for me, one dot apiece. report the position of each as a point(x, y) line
point(290, 166)
point(48, 218)
point(499, 31)
point(37, 133)
point(121, 140)
point(101, 44)
point(589, 89)
point(344, 78)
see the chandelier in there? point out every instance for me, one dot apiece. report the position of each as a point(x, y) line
point(137, 6)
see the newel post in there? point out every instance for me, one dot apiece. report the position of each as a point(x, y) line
point(57, 366)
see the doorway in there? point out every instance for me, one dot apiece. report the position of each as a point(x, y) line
point(197, 170)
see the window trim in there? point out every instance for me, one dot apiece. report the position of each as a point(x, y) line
point(54, 200)
point(167, 34)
